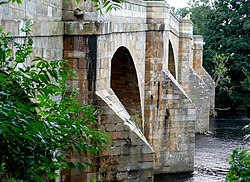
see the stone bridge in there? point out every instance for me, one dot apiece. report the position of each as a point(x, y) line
point(141, 66)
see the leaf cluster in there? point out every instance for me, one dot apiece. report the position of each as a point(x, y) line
point(41, 122)
point(240, 165)
point(106, 5)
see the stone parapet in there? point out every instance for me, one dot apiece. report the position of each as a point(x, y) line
point(135, 16)
point(47, 29)
point(130, 18)
point(101, 28)
point(45, 18)
point(132, 11)
point(32, 10)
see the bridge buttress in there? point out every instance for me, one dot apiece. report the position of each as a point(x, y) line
point(197, 65)
point(169, 113)
point(190, 80)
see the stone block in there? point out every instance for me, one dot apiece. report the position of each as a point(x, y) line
point(115, 150)
point(135, 158)
point(125, 149)
point(125, 158)
point(135, 150)
point(119, 142)
point(118, 135)
point(147, 173)
point(147, 157)
point(137, 141)
point(82, 63)
point(191, 117)
point(147, 165)
point(124, 167)
point(110, 127)
point(119, 127)
point(121, 176)
point(73, 63)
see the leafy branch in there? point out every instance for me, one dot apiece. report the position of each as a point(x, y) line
point(41, 122)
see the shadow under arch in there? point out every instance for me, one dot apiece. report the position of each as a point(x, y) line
point(125, 85)
point(171, 60)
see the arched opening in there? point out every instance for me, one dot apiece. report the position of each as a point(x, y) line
point(124, 83)
point(171, 61)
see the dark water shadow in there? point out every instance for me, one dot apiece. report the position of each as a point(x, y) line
point(175, 177)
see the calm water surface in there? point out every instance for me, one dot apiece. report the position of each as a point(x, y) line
point(213, 150)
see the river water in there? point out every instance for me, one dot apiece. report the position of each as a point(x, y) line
point(213, 149)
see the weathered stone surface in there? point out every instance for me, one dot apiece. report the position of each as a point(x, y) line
point(197, 65)
point(199, 90)
point(141, 66)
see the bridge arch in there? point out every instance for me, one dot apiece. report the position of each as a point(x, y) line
point(171, 60)
point(124, 83)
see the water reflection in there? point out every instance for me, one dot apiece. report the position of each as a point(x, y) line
point(213, 150)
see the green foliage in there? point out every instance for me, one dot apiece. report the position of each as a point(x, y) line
point(240, 165)
point(227, 33)
point(107, 5)
point(41, 123)
point(220, 72)
point(16, 1)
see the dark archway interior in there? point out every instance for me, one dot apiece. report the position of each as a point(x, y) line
point(124, 83)
point(171, 63)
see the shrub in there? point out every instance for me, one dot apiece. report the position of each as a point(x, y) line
point(240, 165)
point(41, 123)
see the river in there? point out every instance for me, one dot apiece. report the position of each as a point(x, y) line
point(212, 150)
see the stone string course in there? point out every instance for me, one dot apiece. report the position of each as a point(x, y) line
point(151, 119)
